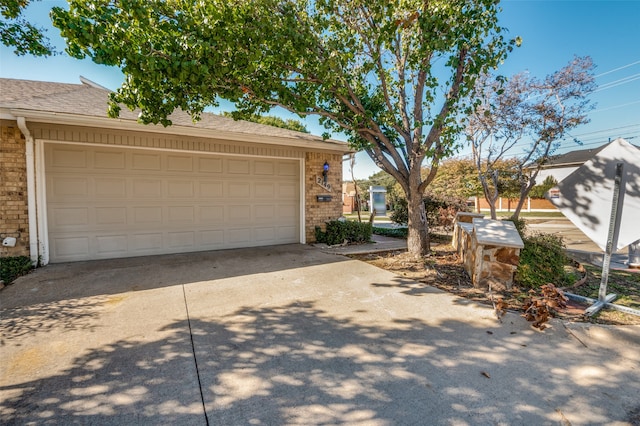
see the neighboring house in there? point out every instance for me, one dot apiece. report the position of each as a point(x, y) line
point(76, 185)
point(562, 165)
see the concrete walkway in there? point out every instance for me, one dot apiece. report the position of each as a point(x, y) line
point(292, 335)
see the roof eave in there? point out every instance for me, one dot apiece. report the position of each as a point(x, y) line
point(122, 124)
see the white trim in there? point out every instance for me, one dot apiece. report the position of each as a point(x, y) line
point(41, 189)
point(31, 189)
point(303, 204)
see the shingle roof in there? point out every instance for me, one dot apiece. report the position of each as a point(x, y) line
point(91, 100)
point(572, 158)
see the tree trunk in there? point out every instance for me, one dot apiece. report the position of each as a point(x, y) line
point(418, 232)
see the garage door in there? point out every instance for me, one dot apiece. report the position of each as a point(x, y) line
point(120, 202)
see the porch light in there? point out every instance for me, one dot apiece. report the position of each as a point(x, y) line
point(325, 171)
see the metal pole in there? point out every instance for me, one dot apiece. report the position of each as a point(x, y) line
point(614, 225)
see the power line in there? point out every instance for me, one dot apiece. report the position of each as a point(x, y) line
point(617, 69)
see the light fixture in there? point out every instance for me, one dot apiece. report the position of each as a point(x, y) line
point(325, 171)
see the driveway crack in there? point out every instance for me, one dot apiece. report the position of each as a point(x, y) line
point(195, 358)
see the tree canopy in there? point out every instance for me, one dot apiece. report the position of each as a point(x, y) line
point(390, 74)
point(17, 32)
point(271, 120)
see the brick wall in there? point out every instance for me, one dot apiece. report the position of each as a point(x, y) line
point(14, 218)
point(318, 212)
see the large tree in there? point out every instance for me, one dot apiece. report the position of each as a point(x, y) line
point(530, 114)
point(390, 74)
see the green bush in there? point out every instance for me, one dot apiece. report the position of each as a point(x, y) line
point(13, 267)
point(542, 261)
point(391, 232)
point(338, 231)
point(441, 211)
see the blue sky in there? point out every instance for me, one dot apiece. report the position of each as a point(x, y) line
point(553, 32)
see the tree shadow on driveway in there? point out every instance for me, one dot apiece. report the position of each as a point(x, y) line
point(297, 363)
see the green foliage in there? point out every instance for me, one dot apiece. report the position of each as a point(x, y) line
point(456, 177)
point(542, 261)
point(271, 120)
point(391, 232)
point(19, 33)
point(400, 214)
point(539, 191)
point(13, 267)
point(441, 210)
point(339, 231)
point(394, 76)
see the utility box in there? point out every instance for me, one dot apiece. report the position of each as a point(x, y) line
point(378, 198)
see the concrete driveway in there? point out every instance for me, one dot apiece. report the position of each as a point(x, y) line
point(292, 335)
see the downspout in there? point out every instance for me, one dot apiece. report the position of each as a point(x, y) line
point(31, 190)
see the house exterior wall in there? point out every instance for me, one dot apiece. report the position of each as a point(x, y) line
point(14, 217)
point(13, 182)
point(319, 212)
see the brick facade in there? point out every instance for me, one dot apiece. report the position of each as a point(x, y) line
point(319, 212)
point(14, 217)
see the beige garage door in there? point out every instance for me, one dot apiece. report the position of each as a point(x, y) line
point(113, 202)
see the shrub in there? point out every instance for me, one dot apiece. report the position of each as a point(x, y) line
point(441, 211)
point(391, 232)
point(13, 267)
point(542, 261)
point(338, 231)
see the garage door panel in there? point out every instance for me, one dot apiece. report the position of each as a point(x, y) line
point(238, 236)
point(287, 233)
point(147, 216)
point(264, 168)
point(111, 216)
point(120, 202)
point(69, 187)
point(179, 163)
point(265, 213)
point(238, 213)
point(238, 167)
point(181, 214)
point(68, 248)
point(178, 188)
point(265, 190)
point(265, 234)
point(210, 189)
point(212, 238)
point(184, 239)
point(65, 158)
point(111, 244)
point(145, 161)
point(211, 214)
point(110, 160)
point(70, 218)
point(210, 165)
point(150, 242)
point(110, 187)
point(238, 190)
point(287, 191)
